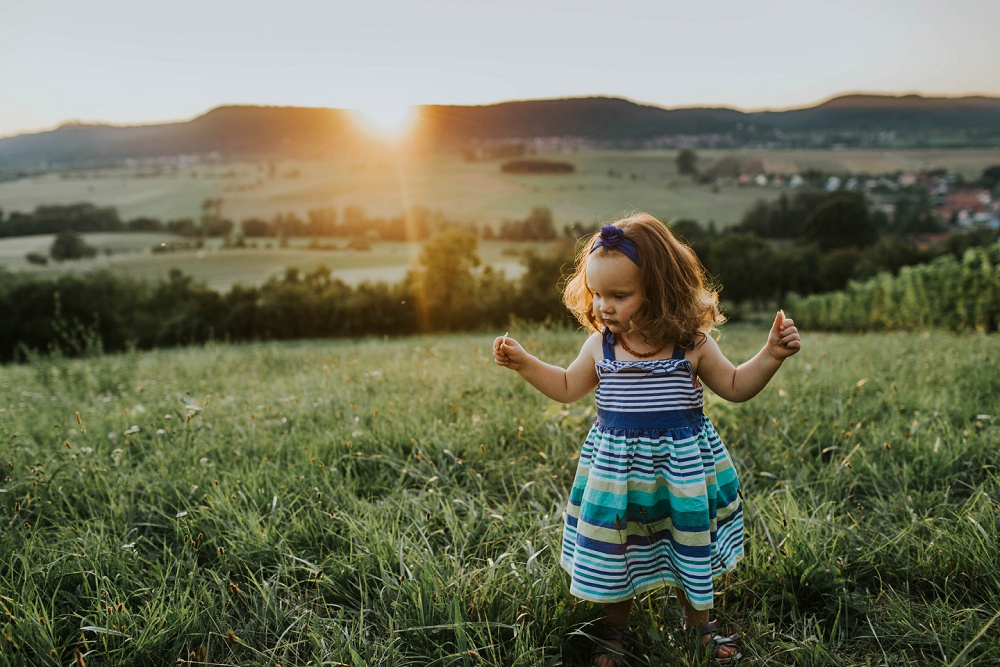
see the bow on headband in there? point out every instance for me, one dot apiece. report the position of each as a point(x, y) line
point(614, 238)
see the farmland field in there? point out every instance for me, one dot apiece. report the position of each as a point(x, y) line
point(220, 268)
point(398, 502)
point(606, 184)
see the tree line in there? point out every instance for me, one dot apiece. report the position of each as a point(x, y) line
point(417, 223)
point(816, 242)
point(447, 290)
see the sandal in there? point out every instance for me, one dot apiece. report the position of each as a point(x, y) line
point(611, 644)
point(716, 643)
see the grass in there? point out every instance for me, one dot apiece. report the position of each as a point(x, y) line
point(220, 268)
point(398, 502)
point(469, 192)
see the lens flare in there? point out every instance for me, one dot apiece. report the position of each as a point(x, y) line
point(385, 118)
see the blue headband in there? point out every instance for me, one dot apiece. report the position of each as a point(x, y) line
point(613, 238)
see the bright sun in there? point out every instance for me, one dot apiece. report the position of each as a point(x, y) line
point(390, 120)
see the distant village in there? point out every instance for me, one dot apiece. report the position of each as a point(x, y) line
point(956, 203)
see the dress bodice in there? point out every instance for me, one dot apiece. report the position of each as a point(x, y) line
point(652, 396)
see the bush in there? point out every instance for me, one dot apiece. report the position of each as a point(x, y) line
point(537, 167)
point(70, 245)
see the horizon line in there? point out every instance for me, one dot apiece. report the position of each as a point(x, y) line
point(765, 109)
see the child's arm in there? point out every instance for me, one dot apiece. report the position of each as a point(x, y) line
point(560, 384)
point(746, 381)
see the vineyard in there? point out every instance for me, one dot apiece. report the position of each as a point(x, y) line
point(948, 293)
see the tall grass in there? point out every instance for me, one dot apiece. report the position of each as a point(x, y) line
point(399, 502)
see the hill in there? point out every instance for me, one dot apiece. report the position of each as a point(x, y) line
point(231, 131)
point(242, 132)
point(900, 114)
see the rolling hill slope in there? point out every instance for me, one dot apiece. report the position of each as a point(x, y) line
point(240, 132)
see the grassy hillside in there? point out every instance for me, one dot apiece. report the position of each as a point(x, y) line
point(280, 504)
point(606, 184)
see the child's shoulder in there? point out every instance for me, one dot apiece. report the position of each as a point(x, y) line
point(594, 346)
point(704, 342)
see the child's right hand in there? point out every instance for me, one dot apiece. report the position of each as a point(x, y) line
point(508, 353)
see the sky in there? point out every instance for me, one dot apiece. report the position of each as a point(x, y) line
point(129, 62)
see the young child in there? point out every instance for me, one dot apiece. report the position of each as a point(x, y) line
point(656, 499)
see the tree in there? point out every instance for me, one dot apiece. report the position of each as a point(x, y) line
point(539, 224)
point(688, 230)
point(183, 227)
point(445, 283)
point(215, 226)
point(538, 295)
point(745, 266)
point(255, 227)
point(70, 245)
point(841, 222)
point(144, 224)
point(991, 176)
point(687, 162)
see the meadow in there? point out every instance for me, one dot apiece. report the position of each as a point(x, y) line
point(220, 268)
point(399, 501)
point(605, 185)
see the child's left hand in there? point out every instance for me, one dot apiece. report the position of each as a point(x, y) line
point(783, 341)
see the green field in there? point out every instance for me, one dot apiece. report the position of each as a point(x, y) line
point(220, 268)
point(606, 184)
point(398, 502)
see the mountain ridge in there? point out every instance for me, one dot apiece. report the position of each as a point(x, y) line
point(251, 131)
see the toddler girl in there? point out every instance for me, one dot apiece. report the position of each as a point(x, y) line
point(656, 499)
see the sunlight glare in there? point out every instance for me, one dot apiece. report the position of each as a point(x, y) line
point(387, 119)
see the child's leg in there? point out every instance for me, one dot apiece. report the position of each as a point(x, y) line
point(616, 614)
point(612, 629)
point(696, 618)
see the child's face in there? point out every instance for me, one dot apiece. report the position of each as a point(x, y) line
point(614, 282)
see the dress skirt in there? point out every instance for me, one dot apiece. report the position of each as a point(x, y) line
point(652, 507)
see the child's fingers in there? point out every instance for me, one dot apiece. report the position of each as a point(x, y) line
point(790, 340)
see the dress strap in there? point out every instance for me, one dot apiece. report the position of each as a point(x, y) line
point(678, 352)
point(608, 343)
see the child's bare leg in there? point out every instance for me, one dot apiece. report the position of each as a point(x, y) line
point(695, 618)
point(615, 620)
point(616, 614)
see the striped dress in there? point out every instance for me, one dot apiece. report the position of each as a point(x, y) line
point(656, 498)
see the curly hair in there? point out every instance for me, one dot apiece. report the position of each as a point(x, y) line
point(680, 300)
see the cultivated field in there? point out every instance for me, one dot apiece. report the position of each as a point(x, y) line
point(606, 184)
point(398, 502)
point(220, 268)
